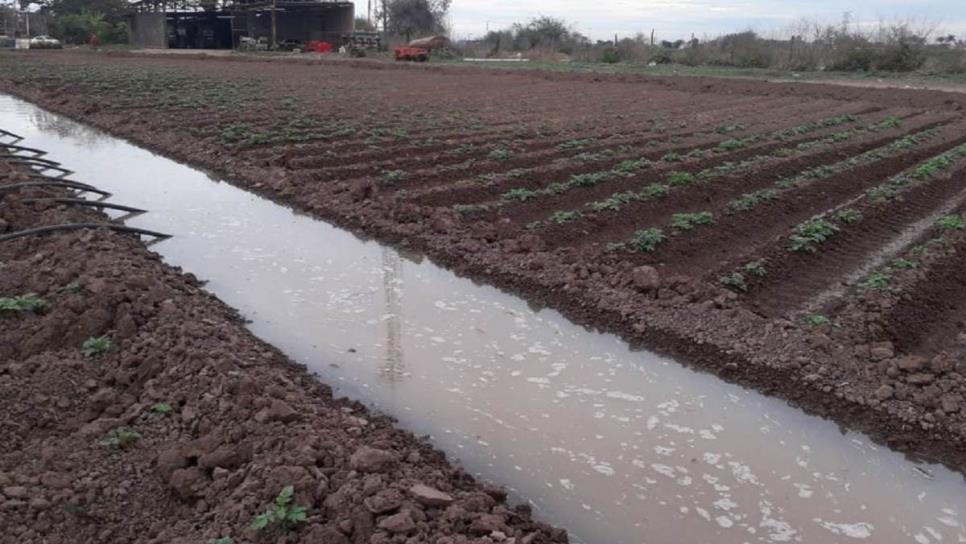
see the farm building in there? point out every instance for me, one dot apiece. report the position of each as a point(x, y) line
point(167, 24)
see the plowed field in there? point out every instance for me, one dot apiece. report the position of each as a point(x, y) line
point(805, 240)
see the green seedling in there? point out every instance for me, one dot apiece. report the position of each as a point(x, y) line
point(687, 221)
point(574, 144)
point(648, 239)
point(904, 264)
point(94, 346)
point(951, 222)
point(734, 281)
point(222, 540)
point(74, 287)
point(161, 408)
point(811, 233)
point(500, 154)
point(282, 514)
point(519, 194)
point(671, 157)
point(120, 438)
point(756, 268)
point(632, 166)
point(562, 217)
point(875, 281)
point(394, 176)
point(847, 216)
point(588, 180)
point(814, 321)
point(680, 178)
point(24, 303)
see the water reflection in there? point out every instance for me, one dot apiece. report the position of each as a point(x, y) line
point(618, 446)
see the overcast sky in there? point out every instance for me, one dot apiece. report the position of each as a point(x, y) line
point(672, 19)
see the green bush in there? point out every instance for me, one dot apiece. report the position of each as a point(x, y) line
point(610, 56)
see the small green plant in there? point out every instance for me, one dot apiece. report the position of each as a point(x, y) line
point(24, 303)
point(500, 154)
point(734, 281)
point(120, 438)
point(222, 540)
point(562, 217)
point(281, 514)
point(731, 145)
point(727, 129)
point(94, 346)
point(520, 194)
point(680, 178)
point(951, 222)
point(161, 408)
point(811, 233)
point(648, 239)
point(671, 157)
point(904, 264)
point(656, 190)
point(756, 268)
point(814, 321)
point(687, 221)
point(748, 201)
point(588, 180)
point(632, 166)
point(394, 176)
point(847, 216)
point(574, 144)
point(74, 287)
point(875, 281)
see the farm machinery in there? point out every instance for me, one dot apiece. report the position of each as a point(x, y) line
point(418, 50)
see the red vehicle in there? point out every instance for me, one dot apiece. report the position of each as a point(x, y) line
point(416, 54)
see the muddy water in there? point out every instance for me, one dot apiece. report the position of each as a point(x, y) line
point(617, 446)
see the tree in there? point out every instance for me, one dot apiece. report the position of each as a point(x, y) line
point(415, 17)
point(363, 25)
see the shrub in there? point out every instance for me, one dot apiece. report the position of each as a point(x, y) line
point(610, 56)
point(281, 514)
point(24, 303)
point(648, 239)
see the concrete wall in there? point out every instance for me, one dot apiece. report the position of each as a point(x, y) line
point(147, 30)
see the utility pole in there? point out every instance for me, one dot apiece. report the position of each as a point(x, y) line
point(652, 37)
point(274, 27)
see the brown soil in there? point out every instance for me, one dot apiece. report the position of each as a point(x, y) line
point(225, 421)
point(405, 117)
